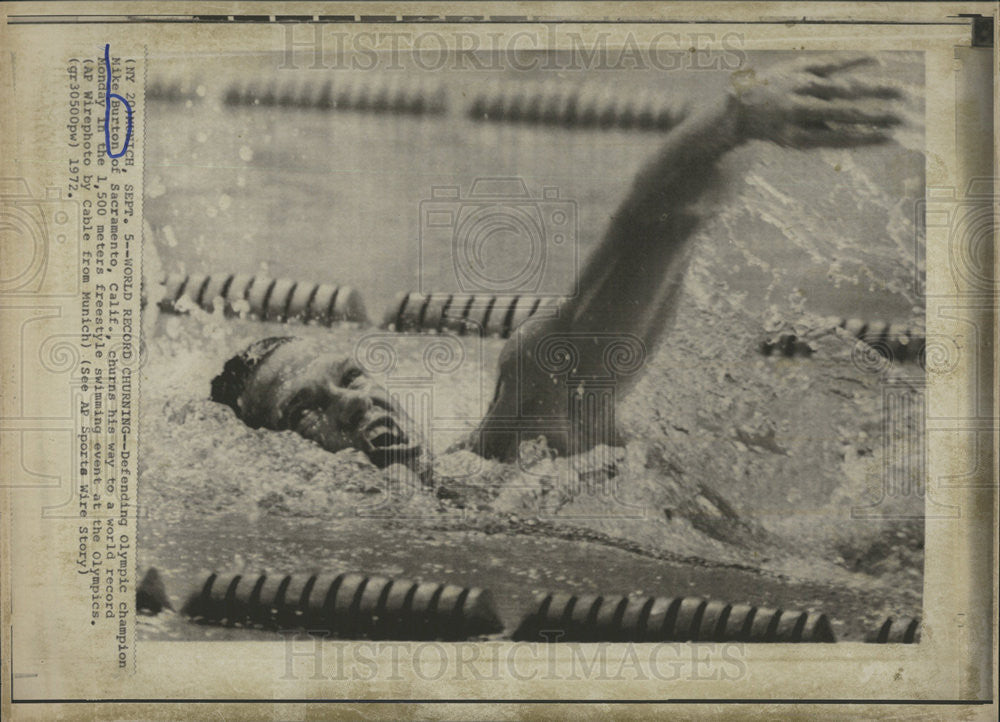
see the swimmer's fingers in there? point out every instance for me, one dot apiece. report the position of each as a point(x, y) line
point(850, 89)
point(828, 65)
point(836, 136)
point(802, 105)
point(818, 111)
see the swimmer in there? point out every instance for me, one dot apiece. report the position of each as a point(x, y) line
point(628, 289)
point(287, 383)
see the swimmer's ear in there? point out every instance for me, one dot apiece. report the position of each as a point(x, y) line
point(228, 386)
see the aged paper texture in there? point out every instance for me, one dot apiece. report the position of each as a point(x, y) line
point(495, 360)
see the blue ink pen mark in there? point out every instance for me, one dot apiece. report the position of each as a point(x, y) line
point(108, 97)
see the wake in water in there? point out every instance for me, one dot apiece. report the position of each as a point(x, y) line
point(729, 456)
point(726, 455)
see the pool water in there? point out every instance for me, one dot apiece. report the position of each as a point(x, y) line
point(743, 477)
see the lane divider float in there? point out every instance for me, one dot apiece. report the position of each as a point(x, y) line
point(383, 95)
point(283, 300)
point(893, 341)
point(577, 108)
point(174, 91)
point(465, 314)
point(264, 298)
point(905, 630)
point(361, 606)
point(593, 618)
point(348, 606)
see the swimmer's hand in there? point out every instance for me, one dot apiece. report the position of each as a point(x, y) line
point(816, 103)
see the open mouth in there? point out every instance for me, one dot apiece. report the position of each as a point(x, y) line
point(387, 442)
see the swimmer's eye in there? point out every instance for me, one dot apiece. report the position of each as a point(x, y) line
point(301, 402)
point(350, 376)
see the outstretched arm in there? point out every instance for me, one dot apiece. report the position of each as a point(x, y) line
point(630, 284)
point(631, 281)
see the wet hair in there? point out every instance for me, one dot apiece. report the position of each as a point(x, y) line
point(228, 386)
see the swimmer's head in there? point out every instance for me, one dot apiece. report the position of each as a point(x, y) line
point(286, 383)
point(228, 387)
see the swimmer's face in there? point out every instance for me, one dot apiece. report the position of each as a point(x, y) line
point(329, 399)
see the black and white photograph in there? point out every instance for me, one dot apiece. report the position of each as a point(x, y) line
point(544, 346)
point(498, 360)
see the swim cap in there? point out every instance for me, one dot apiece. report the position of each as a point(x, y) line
point(228, 386)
